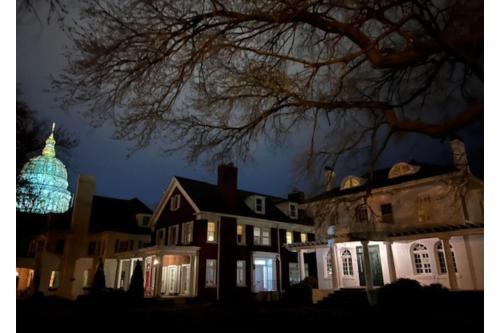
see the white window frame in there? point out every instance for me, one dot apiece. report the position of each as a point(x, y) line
point(173, 235)
point(289, 240)
point(328, 264)
point(295, 210)
point(175, 202)
point(214, 232)
point(187, 233)
point(211, 266)
point(241, 272)
point(243, 235)
point(347, 269)
point(441, 258)
point(262, 209)
point(421, 259)
point(259, 239)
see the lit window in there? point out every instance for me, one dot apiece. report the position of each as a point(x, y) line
point(240, 234)
point(421, 259)
point(423, 205)
point(294, 274)
point(211, 235)
point(442, 258)
point(175, 202)
point(362, 214)
point(350, 181)
point(211, 273)
point(54, 280)
point(289, 237)
point(293, 210)
point(259, 205)
point(240, 273)
point(173, 235)
point(303, 237)
point(386, 210)
point(402, 169)
point(328, 264)
point(347, 263)
point(85, 278)
point(187, 233)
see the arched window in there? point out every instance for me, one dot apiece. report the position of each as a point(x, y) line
point(442, 260)
point(421, 259)
point(402, 169)
point(347, 263)
point(351, 181)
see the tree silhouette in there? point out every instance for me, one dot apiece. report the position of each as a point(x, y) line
point(99, 282)
point(219, 76)
point(136, 289)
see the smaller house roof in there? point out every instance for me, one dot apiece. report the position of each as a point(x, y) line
point(380, 178)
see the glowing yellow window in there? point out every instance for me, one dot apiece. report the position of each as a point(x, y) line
point(289, 237)
point(303, 237)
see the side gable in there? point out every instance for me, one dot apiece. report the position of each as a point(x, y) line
point(185, 212)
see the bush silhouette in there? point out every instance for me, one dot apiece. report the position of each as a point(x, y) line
point(99, 282)
point(136, 289)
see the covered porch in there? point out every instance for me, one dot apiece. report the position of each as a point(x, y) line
point(168, 271)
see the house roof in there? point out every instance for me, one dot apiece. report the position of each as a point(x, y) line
point(380, 179)
point(208, 198)
point(111, 214)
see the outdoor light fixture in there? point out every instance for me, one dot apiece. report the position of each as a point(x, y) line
point(156, 262)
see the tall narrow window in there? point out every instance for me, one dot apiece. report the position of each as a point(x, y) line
point(386, 210)
point(328, 264)
point(211, 232)
point(293, 273)
point(303, 237)
point(289, 237)
point(421, 259)
point(266, 237)
point(423, 205)
point(362, 214)
point(187, 233)
point(293, 210)
point(240, 273)
point(160, 236)
point(347, 263)
point(173, 235)
point(211, 273)
point(85, 279)
point(240, 234)
point(442, 259)
point(175, 202)
point(259, 205)
point(256, 235)
point(54, 280)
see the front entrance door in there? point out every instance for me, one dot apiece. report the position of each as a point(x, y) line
point(185, 280)
point(375, 264)
point(172, 280)
point(263, 275)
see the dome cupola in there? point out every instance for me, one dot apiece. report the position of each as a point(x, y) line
point(43, 183)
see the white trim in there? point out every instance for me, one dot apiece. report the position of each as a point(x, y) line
point(174, 183)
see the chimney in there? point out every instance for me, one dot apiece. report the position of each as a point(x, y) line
point(459, 154)
point(82, 205)
point(227, 181)
point(329, 178)
point(296, 196)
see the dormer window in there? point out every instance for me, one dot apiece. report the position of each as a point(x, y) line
point(293, 210)
point(351, 181)
point(143, 220)
point(402, 169)
point(175, 202)
point(259, 205)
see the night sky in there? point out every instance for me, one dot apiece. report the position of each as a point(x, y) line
point(147, 173)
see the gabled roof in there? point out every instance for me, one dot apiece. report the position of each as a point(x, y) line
point(208, 198)
point(380, 179)
point(111, 214)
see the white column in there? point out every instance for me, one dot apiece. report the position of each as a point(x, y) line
point(367, 266)
point(302, 271)
point(452, 277)
point(335, 281)
point(390, 262)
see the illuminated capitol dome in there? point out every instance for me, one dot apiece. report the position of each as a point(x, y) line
point(43, 183)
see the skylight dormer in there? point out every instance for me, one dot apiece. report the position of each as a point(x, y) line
point(351, 181)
